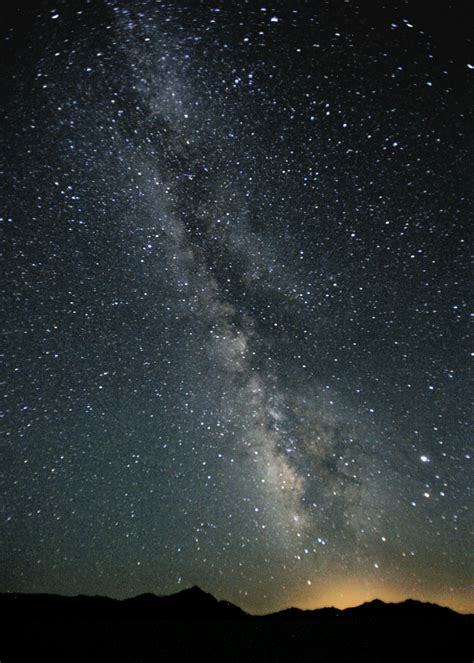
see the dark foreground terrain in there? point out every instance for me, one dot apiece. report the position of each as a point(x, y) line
point(192, 625)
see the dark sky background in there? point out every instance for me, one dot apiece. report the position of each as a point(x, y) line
point(235, 243)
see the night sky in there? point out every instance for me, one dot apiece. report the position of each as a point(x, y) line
point(236, 286)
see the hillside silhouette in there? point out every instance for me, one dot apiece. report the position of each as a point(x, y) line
point(193, 624)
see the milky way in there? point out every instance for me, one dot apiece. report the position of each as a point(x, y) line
point(236, 241)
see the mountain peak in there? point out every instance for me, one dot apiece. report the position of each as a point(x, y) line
point(195, 589)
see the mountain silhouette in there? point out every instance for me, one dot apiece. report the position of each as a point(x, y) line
point(192, 624)
point(188, 604)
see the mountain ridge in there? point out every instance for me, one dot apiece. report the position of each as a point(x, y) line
point(192, 624)
point(182, 603)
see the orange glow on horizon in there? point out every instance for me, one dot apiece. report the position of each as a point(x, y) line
point(353, 592)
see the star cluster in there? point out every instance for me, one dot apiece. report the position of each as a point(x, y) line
point(236, 241)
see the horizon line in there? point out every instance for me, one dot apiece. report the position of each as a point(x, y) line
point(264, 614)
